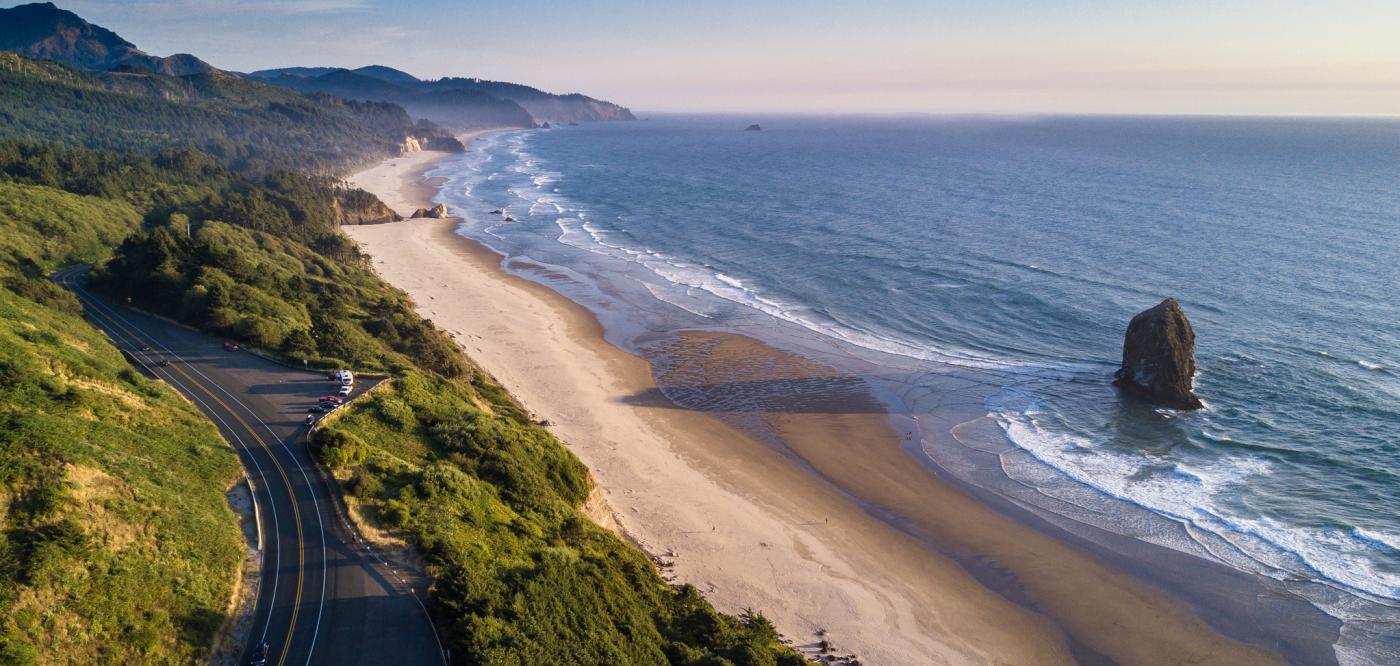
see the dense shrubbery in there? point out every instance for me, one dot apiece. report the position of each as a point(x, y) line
point(522, 576)
point(275, 294)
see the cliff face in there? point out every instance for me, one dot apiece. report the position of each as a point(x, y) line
point(1159, 356)
point(45, 32)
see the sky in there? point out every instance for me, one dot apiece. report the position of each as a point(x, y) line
point(877, 56)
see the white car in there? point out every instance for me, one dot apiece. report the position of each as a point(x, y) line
point(345, 390)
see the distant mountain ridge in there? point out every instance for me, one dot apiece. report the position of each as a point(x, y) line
point(45, 32)
point(460, 109)
point(42, 31)
point(369, 83)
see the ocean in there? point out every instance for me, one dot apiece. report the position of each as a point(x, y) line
point(1011, 253)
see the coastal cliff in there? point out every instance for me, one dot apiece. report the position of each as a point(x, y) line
point(1159, 356)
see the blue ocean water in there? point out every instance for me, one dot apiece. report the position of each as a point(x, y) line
point(1014, 251)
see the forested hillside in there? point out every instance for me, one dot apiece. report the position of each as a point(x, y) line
point(245, 125)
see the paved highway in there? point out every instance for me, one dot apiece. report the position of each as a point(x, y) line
point(324, 597)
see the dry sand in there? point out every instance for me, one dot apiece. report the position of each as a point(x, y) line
point(754, 527)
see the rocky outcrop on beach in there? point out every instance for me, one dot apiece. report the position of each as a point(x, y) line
point(1159, 356)
point(436, 212)
point(361, 207)
point(410, 145)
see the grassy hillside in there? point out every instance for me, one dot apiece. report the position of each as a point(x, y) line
point(116, 544)
point(522, 577)
point(48, 227)
point(246, 125)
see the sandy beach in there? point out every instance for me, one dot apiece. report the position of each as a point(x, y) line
point(799, 532)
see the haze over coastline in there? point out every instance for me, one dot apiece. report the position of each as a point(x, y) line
point(886, 56)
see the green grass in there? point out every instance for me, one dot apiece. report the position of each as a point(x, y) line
point(116, 543)
point(522, 577)
point(52, 228)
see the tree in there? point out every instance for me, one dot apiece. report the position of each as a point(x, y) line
point(299, 343)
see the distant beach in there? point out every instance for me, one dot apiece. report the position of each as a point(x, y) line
point(832, 532)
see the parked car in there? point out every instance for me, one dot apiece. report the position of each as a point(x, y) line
point(345, 390)
point(328, 405)
point(331, 398)
point(229, 346)
point(315, 409)
point(164, 363)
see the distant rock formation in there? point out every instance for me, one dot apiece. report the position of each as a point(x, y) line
point(432, 137)
point(1159, 356)
point(545, 125)
point(753, 128)
point(410, 145)
point(436, 212)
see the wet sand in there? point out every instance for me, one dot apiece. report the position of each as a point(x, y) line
point(829, 525)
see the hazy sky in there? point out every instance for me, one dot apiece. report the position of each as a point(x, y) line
point(1280, 57)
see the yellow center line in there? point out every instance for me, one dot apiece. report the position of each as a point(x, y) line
point(286, 481)
point(296, 512)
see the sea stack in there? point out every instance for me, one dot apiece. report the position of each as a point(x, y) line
point(1159, 356)
point(753, 128)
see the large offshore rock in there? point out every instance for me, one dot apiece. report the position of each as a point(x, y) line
point(1159, 356)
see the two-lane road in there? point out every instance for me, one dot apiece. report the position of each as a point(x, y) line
point(324, 598)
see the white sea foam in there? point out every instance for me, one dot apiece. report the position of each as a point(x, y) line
point(1193, 495)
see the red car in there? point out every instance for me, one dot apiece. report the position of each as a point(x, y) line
point(229, 346)
point(331, 398)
